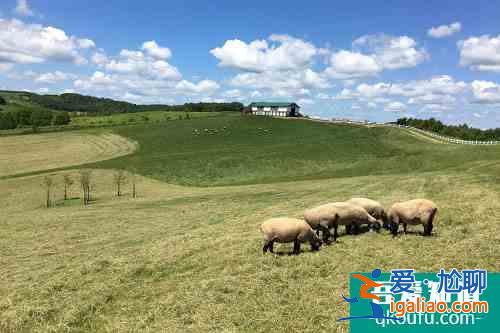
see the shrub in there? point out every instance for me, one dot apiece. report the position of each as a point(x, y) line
point(23, 117)
point(62, 118)
point(7, 121)
point(40, 118)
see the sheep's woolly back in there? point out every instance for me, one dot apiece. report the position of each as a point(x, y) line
point(413, 211)
point(374, 208)
point(285, 229)
point(347, 213)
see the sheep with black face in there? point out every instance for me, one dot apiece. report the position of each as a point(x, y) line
point(414, 212)
point(287, 230)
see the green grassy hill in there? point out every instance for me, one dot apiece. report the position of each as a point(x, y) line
point(18, 100)
point(245, 150)
point(89, 111)
point(188, 258)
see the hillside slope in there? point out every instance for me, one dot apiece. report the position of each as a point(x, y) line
point(189, 259)
point(39, 152)
point(246, 150)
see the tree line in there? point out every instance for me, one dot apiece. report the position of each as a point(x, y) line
point(463, 131)
point(103, 106)
point(34, 118)
point(120, 178)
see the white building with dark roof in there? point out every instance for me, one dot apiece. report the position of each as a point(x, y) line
point(274, 109)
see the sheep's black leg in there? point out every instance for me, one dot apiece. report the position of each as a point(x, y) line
point(335, 233)
point(296, 247)
point(386, 225)
point(404, 227)
point(266, 246)
point(271, 247)
point(317, 232)
point(326, 234)
point(394, 228)
point(348, 229)
point(428, 229)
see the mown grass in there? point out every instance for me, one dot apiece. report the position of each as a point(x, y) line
point(188, 259)
point(183, 259)
point(231, 150)
point(39, 152)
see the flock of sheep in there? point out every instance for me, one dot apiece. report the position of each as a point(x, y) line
point(352, 214)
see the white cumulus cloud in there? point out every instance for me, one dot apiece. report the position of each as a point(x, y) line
point(202, 87)
point(23, 8)
point(437, 92)
point(85, 43)
point(395, 107)
point(277, 53)
point(137, 63)
point(480, 53)
point(157, 52)
point(374, 53)
point(392, 52)
point(284, 83)
point(53, 77)
point(346, 64)
point(33, 43)
point(486, 92)
point(444, 30)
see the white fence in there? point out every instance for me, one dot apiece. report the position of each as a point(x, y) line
point(445, 138)
point(428, 133)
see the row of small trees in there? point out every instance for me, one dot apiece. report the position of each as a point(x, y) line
point(119, 180)
point(463, 132)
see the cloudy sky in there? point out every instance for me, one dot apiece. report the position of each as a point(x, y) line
point(373, 60)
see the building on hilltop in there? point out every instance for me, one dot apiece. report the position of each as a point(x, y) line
point(274, 109)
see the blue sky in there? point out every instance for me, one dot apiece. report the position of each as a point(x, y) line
point(351, 59)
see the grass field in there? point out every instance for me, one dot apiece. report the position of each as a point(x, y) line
point(16, 101)
point(29, 153)
point(230, 151)
point(138, 117)
point(185, 256)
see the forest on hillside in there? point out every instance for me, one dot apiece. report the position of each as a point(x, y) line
point(102, 106)
point(463, 131)
point(34, 110)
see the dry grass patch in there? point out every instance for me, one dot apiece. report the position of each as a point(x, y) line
point(183, 259)
point(28, 153)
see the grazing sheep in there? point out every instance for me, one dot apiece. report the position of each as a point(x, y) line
point(417, 211)
point(374, 208)
point(334, 214)
point(286, 230)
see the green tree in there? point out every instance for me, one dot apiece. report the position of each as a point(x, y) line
point(40, 118)
point(7, 121)
point(62, 118)
point(2, 101)
point(23, 117)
